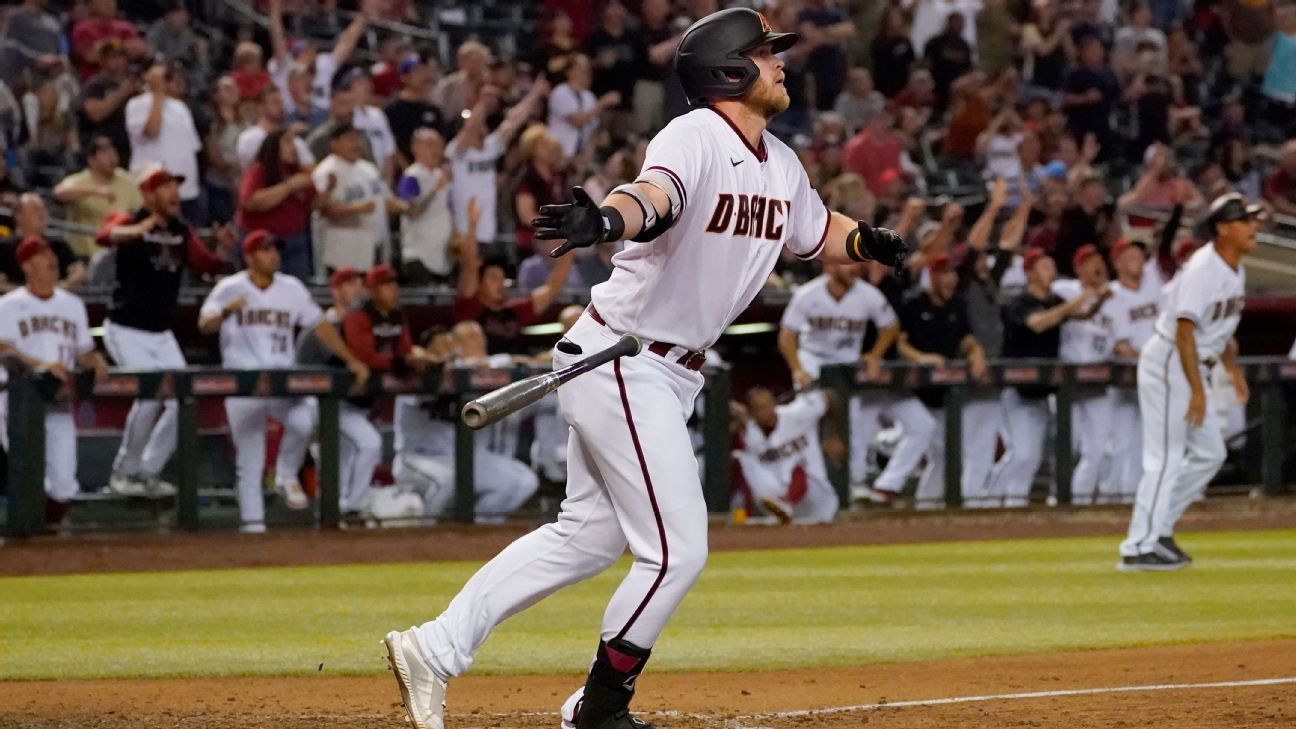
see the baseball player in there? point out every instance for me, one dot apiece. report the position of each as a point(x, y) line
point(1136, 301)
point(825, 323)
point(1087, 340)
point(1031, 322)
point(256, 312)
point(379, 335)
point(1183, 442)
point(425, 436)
point(46, 328)
point(780, 460)
point(716, 201)
point(153, 246)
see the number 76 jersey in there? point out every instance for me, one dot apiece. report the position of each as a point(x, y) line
point(260, 334)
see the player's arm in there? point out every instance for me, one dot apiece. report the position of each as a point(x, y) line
point(975, 355)
point(118, 229)
point(215, 310)
point(1125, 350)
point(202, 260)
point(788, 344)
point(1186, 344)
point(851, 241)
point(329, 336)
point(8, 349)
point(93, 360)
point(1046, 319)
point(359, 336)
point(913, 354)
point(639, 210)
point(1236, 374)
point(872, 359)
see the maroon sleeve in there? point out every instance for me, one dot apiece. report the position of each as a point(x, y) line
point(358, 331)
point(466, 308)
point(524, 307)
point(406, 342)
point(201, 259)
point(112, 221)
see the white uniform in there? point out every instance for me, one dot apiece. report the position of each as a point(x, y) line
point(51, 330)
point(425, 462)
point(631, 476)
point(1134, 314)
point(1179, 460)
point(473, 177)
point(831, 331)
point(257, 337)
point(1087, 341)
point(425, 236)
point(787, 463)
point(352, 243)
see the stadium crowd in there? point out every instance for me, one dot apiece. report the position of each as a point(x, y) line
point(1038, 155)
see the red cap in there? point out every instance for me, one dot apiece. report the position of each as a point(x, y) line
point(1033, 256)
point(939, 262)
point(1083, 252)
point(30, 247)
point(154, 176)
point(378, 275)
point(258, 239)
point(342, 275)
point(1123, 245)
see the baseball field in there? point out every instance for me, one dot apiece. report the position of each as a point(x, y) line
point(886, 620)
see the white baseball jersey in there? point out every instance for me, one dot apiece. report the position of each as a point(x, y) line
point(740, 207)
point(426, 236)
point(260, 335)
point(351, 242)
point(831, 330)
point(373, 122)
point(1084, 340)
point(1209, 293)
point(51, 330)
point(794, 440)
point(473, 177)
point(1134, 312)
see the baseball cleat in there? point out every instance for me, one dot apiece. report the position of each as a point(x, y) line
point(624, 720)
point(293, 495)
point(124, 485)
point(1167, 547)
point(422, 690)
point(252, 527)
point(156, 488)
point(778, 508)
point(877, 496)
point(1149, 562)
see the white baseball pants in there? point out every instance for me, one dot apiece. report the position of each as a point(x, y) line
point(1179, 459)
point(1025, 425)
point(149, 437)
point(1126, 446)
point(247, 423)
point(631, 480)
point(915, 421)
point(980, 420)
point(359, 453)
point(1091, 428)
point(818, 505)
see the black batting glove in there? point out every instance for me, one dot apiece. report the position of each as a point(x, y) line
point(579, 222)
point(877, 244)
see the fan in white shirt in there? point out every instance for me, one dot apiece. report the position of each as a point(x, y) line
point(426, 227)
point(574, 110)
point(353, 221)
point(162, 130)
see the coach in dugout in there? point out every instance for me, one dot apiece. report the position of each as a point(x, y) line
point(154, 245)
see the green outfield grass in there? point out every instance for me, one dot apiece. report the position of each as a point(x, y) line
point(750, 611)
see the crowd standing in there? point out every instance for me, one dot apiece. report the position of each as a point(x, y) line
point(1041, 156)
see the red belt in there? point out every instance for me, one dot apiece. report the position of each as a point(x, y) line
point(690, 359)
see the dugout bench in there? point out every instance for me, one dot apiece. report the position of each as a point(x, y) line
point(31, 393)
point(1267, 376)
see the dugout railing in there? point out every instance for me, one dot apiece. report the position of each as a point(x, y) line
point(31, 393)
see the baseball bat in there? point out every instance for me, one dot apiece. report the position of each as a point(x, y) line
point(493, 406)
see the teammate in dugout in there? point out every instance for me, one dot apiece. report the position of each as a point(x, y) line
point(1183, 441)
point(46, 328)
point(257, 312)
point(717, 200)
point(153, 246)
point(779, 459)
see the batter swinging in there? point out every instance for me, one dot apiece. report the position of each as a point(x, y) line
point(716, 201)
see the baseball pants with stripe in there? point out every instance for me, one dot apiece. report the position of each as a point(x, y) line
point(632, 481)
point(1179, 459)
point(247, 423)
point(149, 437)
point(1092, 427)
point(915, 421)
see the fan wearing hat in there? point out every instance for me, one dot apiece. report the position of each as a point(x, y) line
point(1032, 321)
point(257, 313)
point(47, 329)
point(153, 247)
point(1088, 339)
point(1137, 299)
point(935, 331)
point(353, 228)
point(1183, 442)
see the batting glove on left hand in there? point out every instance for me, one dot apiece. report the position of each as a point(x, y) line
point(882, 245)
point(579, 221)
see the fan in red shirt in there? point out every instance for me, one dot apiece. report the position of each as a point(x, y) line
point(102, 26)
point(482, 298)
point(874, 152)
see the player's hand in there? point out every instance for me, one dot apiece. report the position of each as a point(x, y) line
point(935, 360)
point(801, 379)
point(1196, 414)
point(233, 306)
point(872, 367)
point(979, 369)
point(100, 367)
point(579, 222)
point(1241, 390)
point(360, 371)
point(882, 245)
point(58, 370)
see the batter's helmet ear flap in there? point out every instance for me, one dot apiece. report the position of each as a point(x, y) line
point(710, 60)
